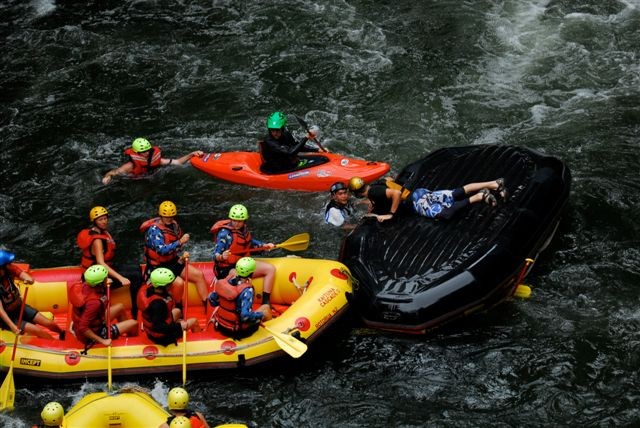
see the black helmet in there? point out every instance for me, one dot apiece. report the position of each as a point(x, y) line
point(338, 185)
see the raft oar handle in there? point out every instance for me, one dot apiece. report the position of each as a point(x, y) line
point(299, 242)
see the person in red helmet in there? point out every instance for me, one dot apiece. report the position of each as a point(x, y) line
point(143, 159)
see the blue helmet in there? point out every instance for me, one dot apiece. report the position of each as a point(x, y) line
point(6, 257)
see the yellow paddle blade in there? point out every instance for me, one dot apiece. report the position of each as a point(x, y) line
point(7, 391)
point(522, 291)
point(299, 242)
point(288, 343)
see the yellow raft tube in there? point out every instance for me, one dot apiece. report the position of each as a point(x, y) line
point(126, 408)
point(308, 296)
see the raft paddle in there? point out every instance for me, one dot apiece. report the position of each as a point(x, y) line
point(299, 242)
point(287, 343)
point(306, 128)
point(108, 320)
point(8, 389)
point(185, 303)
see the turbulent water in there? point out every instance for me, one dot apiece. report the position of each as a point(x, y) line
point(385, 80)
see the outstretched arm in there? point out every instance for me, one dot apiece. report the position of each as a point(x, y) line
point(184, 159)
point(121, 170)
point(395, 196)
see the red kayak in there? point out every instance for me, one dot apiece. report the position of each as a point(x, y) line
point(319, 173)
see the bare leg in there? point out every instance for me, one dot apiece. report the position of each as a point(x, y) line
point(268, 271)
point(34, 330)
point(196, 276)
point(177, 290)
point(46, 322)
point(475, 187)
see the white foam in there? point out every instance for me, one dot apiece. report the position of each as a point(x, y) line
point(43, 7)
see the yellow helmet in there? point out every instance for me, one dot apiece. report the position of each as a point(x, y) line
point(356, 183)
point(96, 212)
point(52, 414)
point(167, 209)
point(180, 422)
point(178, 399)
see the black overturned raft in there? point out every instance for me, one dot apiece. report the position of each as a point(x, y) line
point(416, 273)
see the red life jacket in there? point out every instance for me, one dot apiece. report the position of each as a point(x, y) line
point(143, 303)
point(170, 235)
point(144, 163)
point(228, 313)
point(9, 292)
point(240, 243)
point(79, 294)
point(85, 241)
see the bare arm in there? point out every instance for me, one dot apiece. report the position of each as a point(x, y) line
point(121, 170)
point(395, 196)
point(97, 248)
point(184, 159)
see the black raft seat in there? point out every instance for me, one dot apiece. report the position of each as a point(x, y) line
point(416, 273)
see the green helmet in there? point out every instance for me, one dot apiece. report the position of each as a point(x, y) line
point(95, 275)
point(238, 212)
point(162, 277)
point(277, 120)
point(140, 145)
point(52, 414)
point(245, 267)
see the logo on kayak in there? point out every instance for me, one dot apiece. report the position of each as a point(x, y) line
point(216, 156)
point(298, 174)
point(323, 173)
point(344, 162)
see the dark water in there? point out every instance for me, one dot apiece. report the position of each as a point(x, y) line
point(384, 80)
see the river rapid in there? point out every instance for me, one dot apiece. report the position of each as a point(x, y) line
point(384, 80)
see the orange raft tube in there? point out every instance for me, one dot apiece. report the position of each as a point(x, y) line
point(308, 296)
point(323, 170)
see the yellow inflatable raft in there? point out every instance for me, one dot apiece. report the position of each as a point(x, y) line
point(127, 408)
point(308, 296)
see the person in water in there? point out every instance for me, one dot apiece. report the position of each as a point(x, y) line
point(385, 197)
point(99, 247)
point(143, 159)
point(11, 302)
point(339, 211)
point(161, 319)
point(178, 404)
point(90, 301)
point(52, 415)
point(233, 240)
point(163, 242)
point(279, 149)
point(234, 296)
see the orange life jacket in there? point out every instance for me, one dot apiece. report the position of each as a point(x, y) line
point(240, 243)
point(170, 235)
point(143, 303)
point(144, 163)
point(79, 294)
point(228, 314)
point(85, 241)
